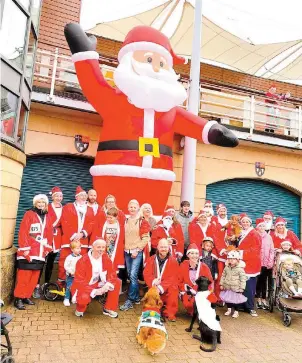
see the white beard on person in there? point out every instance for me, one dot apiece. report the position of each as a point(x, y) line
point(146, 89)
point(268, 225)
point(167, 223)
point(82, 208)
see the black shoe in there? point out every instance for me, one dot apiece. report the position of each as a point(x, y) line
point(259, 305)
point(18, 303)
point(28, 302)
point(222, 136)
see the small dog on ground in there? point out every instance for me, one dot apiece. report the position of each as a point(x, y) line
point(209, 326)
point(151, 332)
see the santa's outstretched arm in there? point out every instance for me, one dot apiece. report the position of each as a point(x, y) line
point(86, 59)
point(209, 132)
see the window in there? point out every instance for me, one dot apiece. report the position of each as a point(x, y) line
point(12, 33)
point(22, 122)
point(35, 12)
point(9, 104)
point(29, 64)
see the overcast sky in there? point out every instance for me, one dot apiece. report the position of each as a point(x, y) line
point(262, 21)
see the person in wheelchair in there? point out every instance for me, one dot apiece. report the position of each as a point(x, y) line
point(292, 277)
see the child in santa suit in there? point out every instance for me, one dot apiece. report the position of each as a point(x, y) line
point(189, 271)
point(95, 276)
point(165, 229)
point(35, 242)
point(113, 232)
point(77, 223)
point(70, 266)
point(161, 271)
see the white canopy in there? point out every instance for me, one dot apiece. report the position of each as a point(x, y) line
point(279, 61)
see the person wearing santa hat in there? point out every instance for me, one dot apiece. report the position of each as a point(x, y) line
point(264, 282)
point(250, 252)
point(268, 217)
point(208, 207)
point(189, 271)
point(201, 228)
point(166, 229)
point(113, 232)
point(77, 222)
point(96, 276)
point(178, 229)
point(281, 234)
point(140, 116)
point(35, 242)
point(161, 271)
point(54, 212)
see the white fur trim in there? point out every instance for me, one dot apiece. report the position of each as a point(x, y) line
point(85, 233)
point(72, 237)
point(153, 282)
point(109, 285)
point(23, 248)
point(192, 249)
point(65, 246)
point(93, 293)
point(161, 289)
point(147, 46)
point(205, 131)
point(81, 56)
point(132, 171)
point(32, 258)
point(120, 266)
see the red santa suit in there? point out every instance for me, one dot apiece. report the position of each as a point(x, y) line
point(197, 233)
point(168, 287)
point(115, 249)
point(187, 280)
point(35, 237)
point(92, 274)
point(287, 236)
point(135, 146)
point(55, 214)
point(73, 223)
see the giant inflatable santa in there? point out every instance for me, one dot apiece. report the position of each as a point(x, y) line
point(140, 116)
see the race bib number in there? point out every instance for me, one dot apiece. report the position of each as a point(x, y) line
point(35, 228)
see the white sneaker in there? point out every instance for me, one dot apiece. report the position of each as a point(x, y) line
point(228, 312)
point(236, 314)
point(66, 302)
point(111, 313)
point(253, 313)
point(78, 313)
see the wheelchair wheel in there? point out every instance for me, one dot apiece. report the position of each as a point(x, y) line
point(48, 291)
point(287, 320)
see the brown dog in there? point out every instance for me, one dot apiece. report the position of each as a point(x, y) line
point(151, 332)
point(233, 229)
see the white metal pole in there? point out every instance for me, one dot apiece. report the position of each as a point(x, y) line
point(299, 125)
point(53, 76)
point(189, 159)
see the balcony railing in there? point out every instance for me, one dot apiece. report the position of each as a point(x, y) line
point(244, 112)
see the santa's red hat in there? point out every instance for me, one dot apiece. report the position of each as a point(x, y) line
point(55, 190)
point(202, 212)
point(280, 220)
point(269, 213)
point(40, 197)
point(146, 38)
point(208, 202)
point(192, 248)
point(245, 216)
point(166, 214)
point(260, 221)
point(220, 206)
point(169, 208)
point(79, 190)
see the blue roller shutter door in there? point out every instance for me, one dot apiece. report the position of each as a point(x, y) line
point(255, 197)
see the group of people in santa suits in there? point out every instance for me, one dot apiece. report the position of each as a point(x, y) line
point(172, 252)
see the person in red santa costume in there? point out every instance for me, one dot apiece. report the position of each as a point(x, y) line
point(208, 207)
point(165, 229)
point(282, 234)
point(92, 201)
point(250, 252)
point(110, 202)
point(113, 232)
point(201, 228)
point(77, 223)
point(177, 226)
point(268, 217)
point(140, 116)
point(35, 242)
point(189, 271)
point(161, 271)
point(96, 276)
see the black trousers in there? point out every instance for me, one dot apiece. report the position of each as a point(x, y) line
point(231, 305)
point(50, 259)
point(264, 283)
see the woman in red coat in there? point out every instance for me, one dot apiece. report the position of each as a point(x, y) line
point(189, 271)
point(35, 242)
point(110, 202)
point(282, 234)
point(201, 228)
point(250, 252)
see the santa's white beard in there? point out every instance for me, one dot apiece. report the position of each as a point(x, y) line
point(268, 225)
point(147, 89)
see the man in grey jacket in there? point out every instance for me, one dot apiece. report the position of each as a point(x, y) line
point(184, 217)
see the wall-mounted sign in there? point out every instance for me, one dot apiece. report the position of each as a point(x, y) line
point(81, 143)
point(259, 168)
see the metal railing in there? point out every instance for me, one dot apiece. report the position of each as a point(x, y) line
point(243, 111)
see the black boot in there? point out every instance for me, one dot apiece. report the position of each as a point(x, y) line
point(222, 136)
point(28, 301)
point(18, 303)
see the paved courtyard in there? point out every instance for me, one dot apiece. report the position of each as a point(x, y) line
point(50, 332)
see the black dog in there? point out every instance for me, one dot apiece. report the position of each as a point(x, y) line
point(207, 335)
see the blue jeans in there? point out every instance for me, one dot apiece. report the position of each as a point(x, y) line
point(250, 292)
point(133, 265)
point(69, 281)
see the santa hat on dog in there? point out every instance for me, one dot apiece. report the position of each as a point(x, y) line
point(192, 248)
point(146, 38)
point(79, 190)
